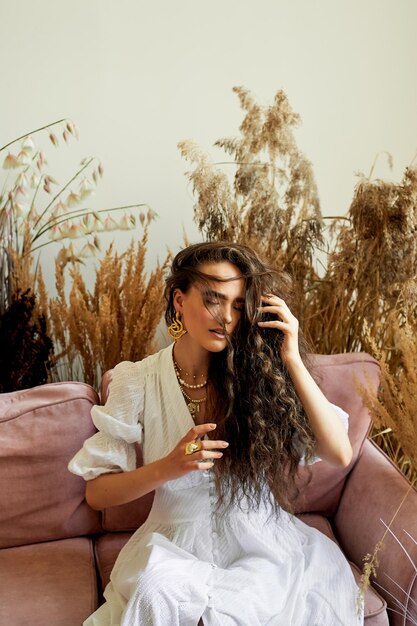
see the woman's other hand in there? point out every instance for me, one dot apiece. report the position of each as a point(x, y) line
point(178, 463)
point(122, 487)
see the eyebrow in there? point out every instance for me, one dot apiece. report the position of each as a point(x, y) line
point(221, 296)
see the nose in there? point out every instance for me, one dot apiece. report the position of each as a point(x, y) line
point(227, 314)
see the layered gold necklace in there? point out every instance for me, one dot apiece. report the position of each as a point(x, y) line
point(192, 403)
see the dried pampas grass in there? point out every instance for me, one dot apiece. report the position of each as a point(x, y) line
point(272, 204)
point(370, 269)
point(93, 331)
point(394, 408)
point(355, 282)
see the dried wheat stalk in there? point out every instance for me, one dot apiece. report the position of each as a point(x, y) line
point(117, 321)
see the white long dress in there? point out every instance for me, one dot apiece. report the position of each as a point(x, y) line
point(186, 562)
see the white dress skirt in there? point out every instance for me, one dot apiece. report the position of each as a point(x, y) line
point(187, 561)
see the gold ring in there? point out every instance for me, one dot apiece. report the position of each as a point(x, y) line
point(193, 446)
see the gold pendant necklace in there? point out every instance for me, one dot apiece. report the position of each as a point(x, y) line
point(193, 405)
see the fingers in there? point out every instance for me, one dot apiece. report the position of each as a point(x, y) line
point(277, 306)
point(199, 430)
point(209, 451)
point(283, 316)
point(205, 455)
point(204, 459)
point(273, 301)
point(271, 298)
point(273, 304)
point(209, 444)
point(275, 324)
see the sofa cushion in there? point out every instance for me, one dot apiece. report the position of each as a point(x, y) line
point(40, 430)
point(319, 522)
point(339, 376)
point(48, 583)
point(107, 548)
point(377, 497)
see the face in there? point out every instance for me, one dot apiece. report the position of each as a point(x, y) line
point(201, 310)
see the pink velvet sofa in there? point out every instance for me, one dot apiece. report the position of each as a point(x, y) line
point(56, 554)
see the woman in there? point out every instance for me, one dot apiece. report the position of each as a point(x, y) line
point(225, 415)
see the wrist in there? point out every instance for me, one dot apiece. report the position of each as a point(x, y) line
point(161, 471)
point(293, 362)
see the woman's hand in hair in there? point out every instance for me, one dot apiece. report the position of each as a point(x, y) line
point(286, 322)
point(177, 463)
point(332, 441)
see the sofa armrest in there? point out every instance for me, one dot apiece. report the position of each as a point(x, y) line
point(372, 496)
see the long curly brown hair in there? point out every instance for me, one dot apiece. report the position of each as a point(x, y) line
point(250, 393)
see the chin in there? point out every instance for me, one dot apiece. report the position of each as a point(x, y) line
point(216, 346)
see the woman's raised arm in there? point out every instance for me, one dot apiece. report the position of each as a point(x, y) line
point(333, 443)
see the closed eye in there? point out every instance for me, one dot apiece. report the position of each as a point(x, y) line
point(238, 306)
point(213, 298)
point(211, 301)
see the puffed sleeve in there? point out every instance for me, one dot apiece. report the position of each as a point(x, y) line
point(344, 418)
point(119, 423)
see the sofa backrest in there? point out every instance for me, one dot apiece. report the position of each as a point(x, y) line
point(40, 430)
point(339, 376)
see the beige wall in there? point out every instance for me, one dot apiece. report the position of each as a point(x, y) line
point(137, 77)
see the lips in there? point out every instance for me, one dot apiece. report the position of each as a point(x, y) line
point(218, 332)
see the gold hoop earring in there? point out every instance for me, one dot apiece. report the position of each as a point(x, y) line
point(176, 330)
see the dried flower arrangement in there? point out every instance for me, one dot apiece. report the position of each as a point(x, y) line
point(371, 270)
point(367, 301)
point(367, 260)
point(117, 321)
point(272, 204)
point(34, 211)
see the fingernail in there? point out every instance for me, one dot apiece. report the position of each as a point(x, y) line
point(212, 426)
point(225, 444)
